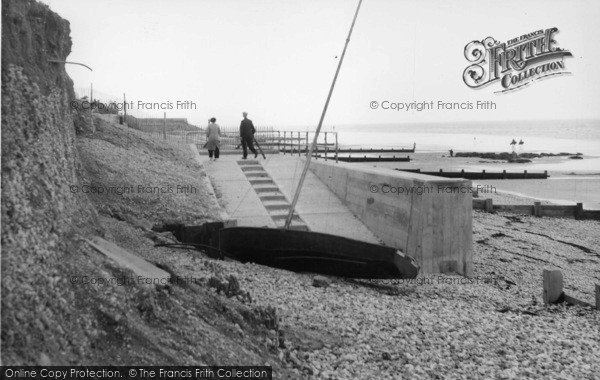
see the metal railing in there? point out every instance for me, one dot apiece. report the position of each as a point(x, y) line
point(180, 131)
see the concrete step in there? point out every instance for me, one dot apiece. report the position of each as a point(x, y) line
point(277, 206)
point(248, 168)
point(283, 216)
point(272, 197)
point(281, 211)
point(266, 189)
point(256, 174)
point(247, 162)
point(298, 227)
point(261, 181)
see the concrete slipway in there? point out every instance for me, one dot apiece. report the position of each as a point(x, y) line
point(257, 193)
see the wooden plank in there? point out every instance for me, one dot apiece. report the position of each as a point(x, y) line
point(574, 301)
point(559, 208)
point(565, 212)
point(517, 209)
point(148, 274)
point(479, 204)
point(591, 214)
point(597, 297)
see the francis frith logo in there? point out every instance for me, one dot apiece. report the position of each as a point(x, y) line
point(516, 63)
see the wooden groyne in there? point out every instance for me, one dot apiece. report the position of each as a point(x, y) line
point(375, 151)
point(331, 148)
point(537, 209)
point(366, 158)
point(481, 175)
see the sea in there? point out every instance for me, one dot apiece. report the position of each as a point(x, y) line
point(571, 180)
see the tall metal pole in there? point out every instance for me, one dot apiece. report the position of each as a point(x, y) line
point(314, 143)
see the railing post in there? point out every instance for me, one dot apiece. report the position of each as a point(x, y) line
point(326, 146)
point(307, 144)
point(336, 147)
point(284, 141)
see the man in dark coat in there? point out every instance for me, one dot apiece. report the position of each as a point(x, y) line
point(247, 134)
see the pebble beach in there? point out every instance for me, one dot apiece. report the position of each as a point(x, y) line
point(490, 325)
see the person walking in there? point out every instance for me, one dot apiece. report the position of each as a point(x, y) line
point(247, 131)
point(213, 138)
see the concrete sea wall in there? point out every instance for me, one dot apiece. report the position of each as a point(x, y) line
point(429, 218)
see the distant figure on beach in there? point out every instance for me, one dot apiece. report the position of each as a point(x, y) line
point(514, 142)
point(213, 138)
point(451, 153)
point(521, 142)
point(247, 131)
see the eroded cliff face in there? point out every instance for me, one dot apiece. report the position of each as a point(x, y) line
point(39, 162)
point(31, 36)
point(52, 315)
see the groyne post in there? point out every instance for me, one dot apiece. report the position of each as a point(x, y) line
point(553, 285)
point(579, 211)
point(537, 209)
point(489, 205)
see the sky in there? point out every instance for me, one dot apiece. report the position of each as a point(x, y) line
point(276, 58)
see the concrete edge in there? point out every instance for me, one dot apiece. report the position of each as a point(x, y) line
point(223, 215)
point(389, 172)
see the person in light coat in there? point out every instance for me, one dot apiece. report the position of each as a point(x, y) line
point(213, 139)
